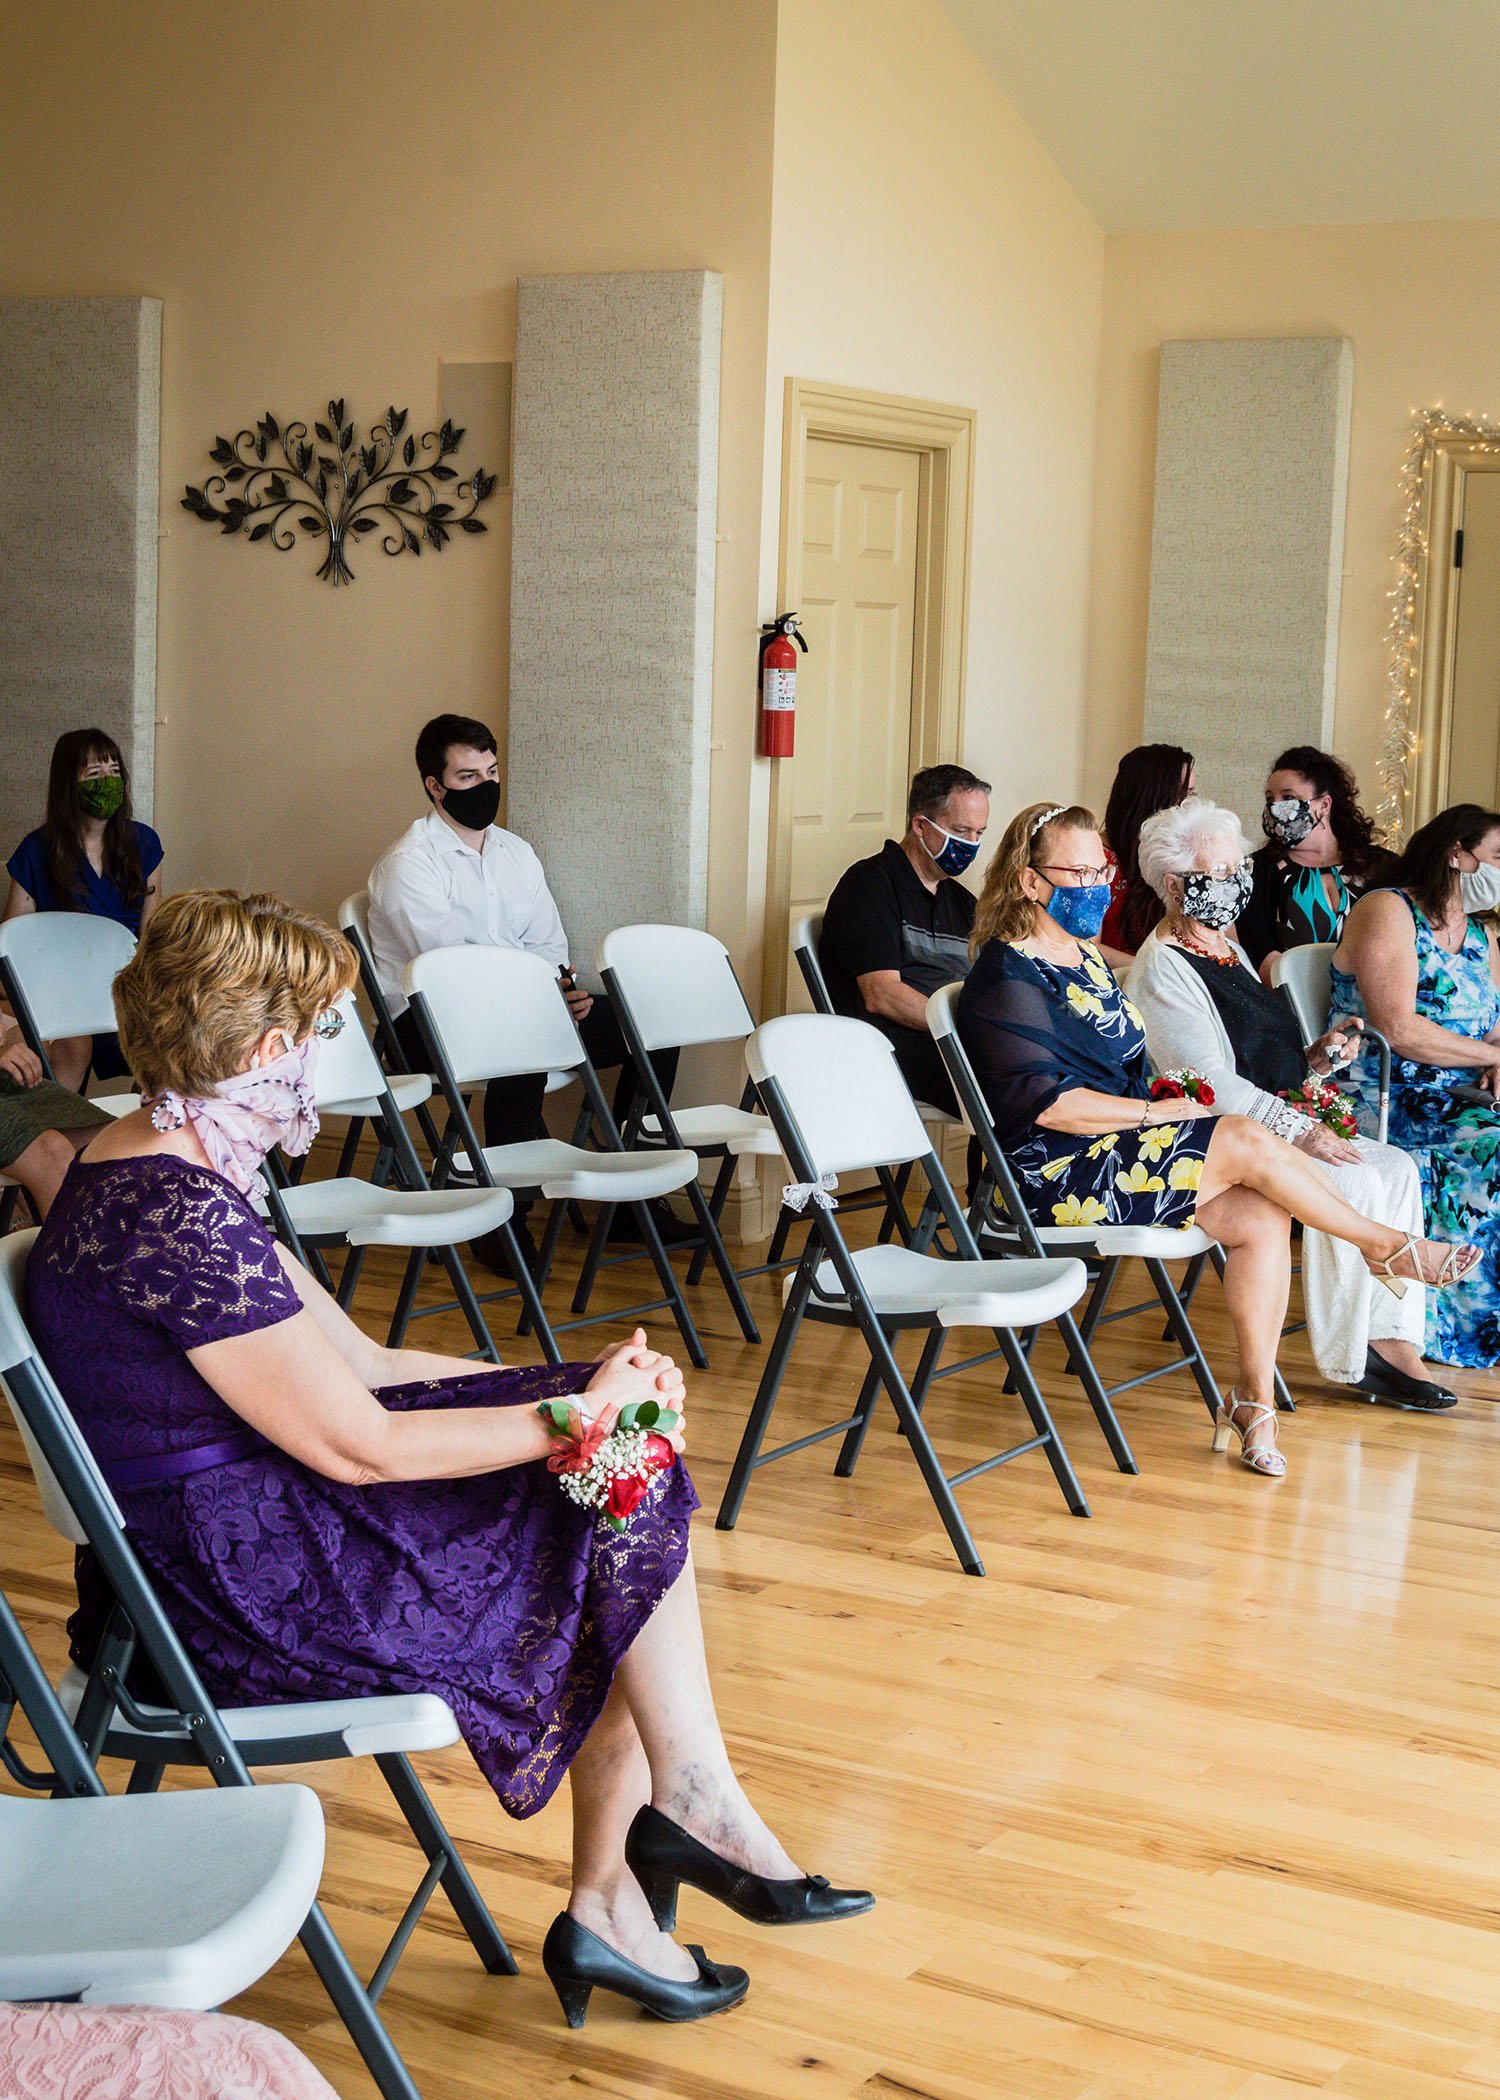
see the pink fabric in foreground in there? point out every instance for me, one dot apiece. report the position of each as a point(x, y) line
point(138, 2052)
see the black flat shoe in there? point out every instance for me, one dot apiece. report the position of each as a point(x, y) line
point(577, 1962)
point(1389, 1386)
point(661, 1855)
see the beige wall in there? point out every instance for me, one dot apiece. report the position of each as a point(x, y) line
point(924, 244)
point(330, 198)
point(1421, 304)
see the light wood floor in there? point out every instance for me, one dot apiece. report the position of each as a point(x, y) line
point(1198, 1798)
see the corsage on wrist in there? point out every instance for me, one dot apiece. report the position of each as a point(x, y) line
point(1321, 1099)
point(609, 1469)
point(1182, 1086)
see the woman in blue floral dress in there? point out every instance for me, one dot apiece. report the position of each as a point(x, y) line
point(1060, 1055)
point(1421, 963)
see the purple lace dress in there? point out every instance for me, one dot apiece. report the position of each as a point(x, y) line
point(496, 1592)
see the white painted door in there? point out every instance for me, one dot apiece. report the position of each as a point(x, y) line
point(853, 755)
point(1474, 721)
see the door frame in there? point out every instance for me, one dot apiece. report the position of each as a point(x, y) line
point(943, 439)
point(1451, 456)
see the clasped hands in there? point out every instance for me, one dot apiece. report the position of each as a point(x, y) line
point(633, 1370)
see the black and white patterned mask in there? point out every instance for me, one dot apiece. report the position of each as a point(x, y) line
point(1216, 901)
point(1288, 821)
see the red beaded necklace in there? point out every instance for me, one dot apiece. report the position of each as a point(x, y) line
point(1185, 940)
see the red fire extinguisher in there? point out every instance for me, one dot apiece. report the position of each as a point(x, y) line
point(778, 685)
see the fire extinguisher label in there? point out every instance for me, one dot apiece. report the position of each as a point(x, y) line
point(779, 692)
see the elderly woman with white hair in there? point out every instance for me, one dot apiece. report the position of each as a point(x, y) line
point(1206, 1010)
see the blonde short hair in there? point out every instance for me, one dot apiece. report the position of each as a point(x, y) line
point(1004, 911)
point(213, 972)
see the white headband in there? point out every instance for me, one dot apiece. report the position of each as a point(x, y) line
point(1045, 818)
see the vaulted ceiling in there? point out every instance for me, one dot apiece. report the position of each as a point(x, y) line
point(1199, 113)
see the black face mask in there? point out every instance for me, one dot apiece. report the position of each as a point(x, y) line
point(475, 808)
point(1215, 900)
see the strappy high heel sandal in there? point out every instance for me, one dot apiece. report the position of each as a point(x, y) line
point(1264, 1458)
point(1458, 1264)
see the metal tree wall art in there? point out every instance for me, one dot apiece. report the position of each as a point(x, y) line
point(277, 483)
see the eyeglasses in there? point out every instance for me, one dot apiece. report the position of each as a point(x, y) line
point(1082, 878)
point(1225, 871)
point(328, 1025)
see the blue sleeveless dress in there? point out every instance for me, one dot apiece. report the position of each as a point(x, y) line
point(1456, 1144)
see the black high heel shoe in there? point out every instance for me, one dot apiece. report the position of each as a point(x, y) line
point(577, 1962)
point(661, 1855)
point(1388, 1384)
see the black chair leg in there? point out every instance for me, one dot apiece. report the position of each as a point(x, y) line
point(718, 1195)
point(1041, 1422)
point(1086, 1371)
point(1180, 1330)
point(406, 1298)
point(354, 2007)
point(463, 1291)
point(671, 1289)
point(859, 1429)
point(598, 1241)
point(1192, 1276)
point(457, 1883)
point(713, 1245)
point(759, 1418)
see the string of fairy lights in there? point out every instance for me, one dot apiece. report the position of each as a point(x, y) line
point(1400, 741)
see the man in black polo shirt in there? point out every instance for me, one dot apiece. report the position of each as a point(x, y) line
point(897, 925)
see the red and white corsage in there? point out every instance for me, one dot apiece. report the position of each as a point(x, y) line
point(609, 1467)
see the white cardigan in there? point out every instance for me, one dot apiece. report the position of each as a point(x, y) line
point(1184, 1033)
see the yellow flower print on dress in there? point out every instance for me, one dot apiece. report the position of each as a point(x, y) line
point(1159, 1139)
point(1133, 1014)
point(1080, 1210)
point(1107, 1143)
point(1185, 1174)
point(1139, 1180)
point(1089, 1004)
point(1056, 1168)
point(1098, 972)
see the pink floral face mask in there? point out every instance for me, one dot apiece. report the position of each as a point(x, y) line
point(245, 1115)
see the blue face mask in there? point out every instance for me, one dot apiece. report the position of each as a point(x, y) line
point(1079, 912)
point(957, 854)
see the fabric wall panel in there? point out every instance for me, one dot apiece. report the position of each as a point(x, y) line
point(1252, 458)
point(612, 585)
point(80, 406)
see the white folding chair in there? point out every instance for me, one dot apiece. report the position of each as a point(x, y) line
point(494, 1013)
point(838, 1103)
point(673, 988)
point(348, 1212)
point(57, 970)
point(1305, 975)
point(999, 1216)
point(191, 1729)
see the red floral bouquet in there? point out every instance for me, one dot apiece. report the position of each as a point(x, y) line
point(1182, 1086)
point(610, 1466)
point(1321, 1099)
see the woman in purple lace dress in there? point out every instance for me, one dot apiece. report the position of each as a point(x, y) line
point(325, 1517)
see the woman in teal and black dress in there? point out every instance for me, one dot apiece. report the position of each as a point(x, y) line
point(1321, 853)
point(1421, 962)
point(1060, 1055)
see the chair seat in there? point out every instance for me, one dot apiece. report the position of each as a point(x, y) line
point(408, 1090)
point(380, 1724)
point(571, 1172)
point(738, 1130)
point(365, 1216)
point(960, 1293)
point(116, 1105)
point(180, 1899)
point(1142, 1242)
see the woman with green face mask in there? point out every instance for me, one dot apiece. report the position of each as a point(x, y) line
point(89, 855)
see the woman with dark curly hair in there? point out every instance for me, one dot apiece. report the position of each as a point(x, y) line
point(1149, 778)
point(1320, 854)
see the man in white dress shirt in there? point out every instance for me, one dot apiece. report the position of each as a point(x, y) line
point(456, 878)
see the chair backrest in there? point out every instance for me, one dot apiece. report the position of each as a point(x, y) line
point(1306, 976)
point(807, 934)
point(679, 984)
point(942, 1026)
point(347, 1068)
point(497, 1012)
point(19, 1358)
point(839, 1081)
point(354, 919)
point(62, 966)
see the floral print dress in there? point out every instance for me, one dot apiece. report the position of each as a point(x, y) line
point(1035, 1029)
point(1456, 1144)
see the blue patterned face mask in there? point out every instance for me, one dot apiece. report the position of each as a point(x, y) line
point(1079, 912)
point(956, 855)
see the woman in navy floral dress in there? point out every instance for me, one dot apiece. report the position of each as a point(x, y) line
point(1060, 1054)
point(1422, 963)
point(326, 1518)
